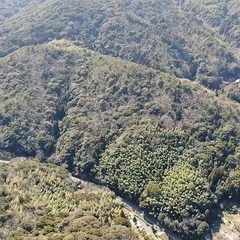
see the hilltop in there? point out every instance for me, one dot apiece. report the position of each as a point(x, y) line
point(133, 127)
point(198, 40)
point(142, 96)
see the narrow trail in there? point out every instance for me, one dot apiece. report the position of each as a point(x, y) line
point(146, 218)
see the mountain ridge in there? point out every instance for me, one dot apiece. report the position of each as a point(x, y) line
point(143, 96)
point(172, 40)
point(68, 105)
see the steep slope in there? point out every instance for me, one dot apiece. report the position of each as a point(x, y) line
point(133, 127)
point(222, 16)
point(160, 34)
point(10, 7)
point(232, 91)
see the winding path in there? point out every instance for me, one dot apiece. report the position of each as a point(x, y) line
point(145, 218)
point(149, 219)
point(131, 206)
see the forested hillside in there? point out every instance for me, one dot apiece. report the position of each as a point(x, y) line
point(140, 95)
point(221, 16)
point(198, 40)
point(133, 127)
point(40, 201)
point(9, 8)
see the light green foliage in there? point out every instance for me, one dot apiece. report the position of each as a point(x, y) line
point(129, 123)
point(143, 154)
point(232, 91)
point(181, 188)
point(133, 127)
point(183, 197)
point(40, 201)
point(151, 190)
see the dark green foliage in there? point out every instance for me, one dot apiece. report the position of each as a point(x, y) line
point(11, 7)
point(168, 143)
point(131, 126)
point(219, 15)
point(148, 161)
point(197, 40)
point(232, 91)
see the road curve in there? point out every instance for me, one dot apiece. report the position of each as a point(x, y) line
point(128, 204)
point(150, 219)
point(131, 205)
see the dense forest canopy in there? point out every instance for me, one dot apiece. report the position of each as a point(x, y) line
point(40, 201)
point(125, 123)
point(142, 95)
point(196, 39)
